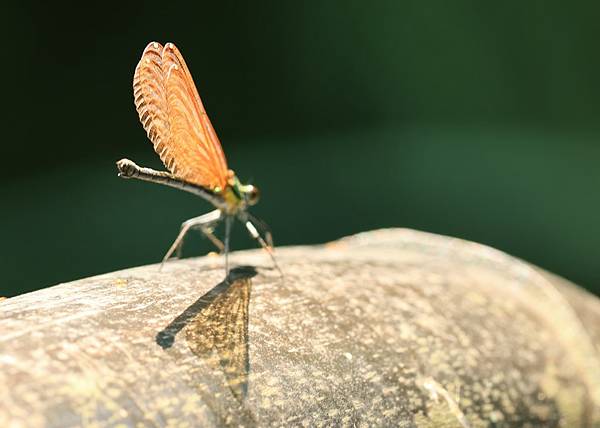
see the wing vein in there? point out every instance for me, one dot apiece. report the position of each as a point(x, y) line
point(174, 118)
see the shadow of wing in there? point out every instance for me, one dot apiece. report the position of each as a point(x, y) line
point(219, 335)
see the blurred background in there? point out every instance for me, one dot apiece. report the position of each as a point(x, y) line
point(470, 119)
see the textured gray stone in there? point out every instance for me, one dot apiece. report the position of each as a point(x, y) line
point(386, 328)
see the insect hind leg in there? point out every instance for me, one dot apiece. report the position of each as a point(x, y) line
point(204, 223)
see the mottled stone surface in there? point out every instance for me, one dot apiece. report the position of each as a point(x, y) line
point(387, 328)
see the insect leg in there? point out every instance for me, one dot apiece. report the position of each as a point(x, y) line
point(263, 226)
point(207, 231)
point(228, 223)
point(203, 222)
point(254, 234)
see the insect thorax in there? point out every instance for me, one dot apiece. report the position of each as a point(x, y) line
point(238, 196)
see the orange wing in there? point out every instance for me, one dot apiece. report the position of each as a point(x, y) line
point(172, 114)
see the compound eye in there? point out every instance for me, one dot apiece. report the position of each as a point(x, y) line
point(253, 196)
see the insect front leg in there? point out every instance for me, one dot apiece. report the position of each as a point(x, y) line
point(251, 222)
point(264, 228)
point(204, 223)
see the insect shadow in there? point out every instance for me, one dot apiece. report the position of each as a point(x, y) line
point(217, 328)
point(166, 337)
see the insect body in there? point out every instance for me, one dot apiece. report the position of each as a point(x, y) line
point(174, 118)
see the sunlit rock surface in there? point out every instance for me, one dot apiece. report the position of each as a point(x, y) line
point(386, 328)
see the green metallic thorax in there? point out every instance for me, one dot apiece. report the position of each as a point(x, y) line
point(234, 195)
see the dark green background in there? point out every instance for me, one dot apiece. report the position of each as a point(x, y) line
point(466, 118)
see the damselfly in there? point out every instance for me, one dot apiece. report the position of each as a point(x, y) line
point(174, 118)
